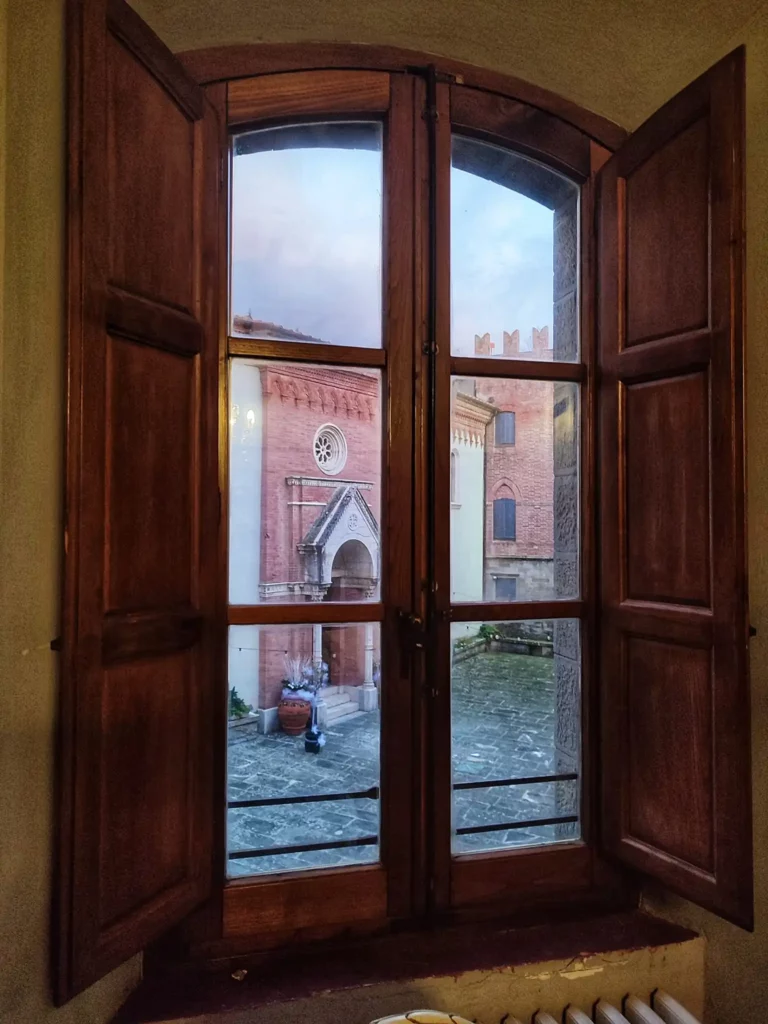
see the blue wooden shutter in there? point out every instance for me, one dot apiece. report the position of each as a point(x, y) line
point(504, 519)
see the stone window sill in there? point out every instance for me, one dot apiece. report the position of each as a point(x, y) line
point(187, 994)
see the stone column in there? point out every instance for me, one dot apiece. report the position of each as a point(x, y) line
point(566, 427)
point(368, 697)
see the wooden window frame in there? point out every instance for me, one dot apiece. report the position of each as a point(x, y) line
point(345, 897)
point(236, 921)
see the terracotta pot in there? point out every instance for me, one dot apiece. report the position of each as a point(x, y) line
point(293, 715)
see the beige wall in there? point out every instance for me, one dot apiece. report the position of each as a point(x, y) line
point(620, 58)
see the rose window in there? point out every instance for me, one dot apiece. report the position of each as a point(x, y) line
point(330, 449)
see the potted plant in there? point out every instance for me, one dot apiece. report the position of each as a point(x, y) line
point(302, 681)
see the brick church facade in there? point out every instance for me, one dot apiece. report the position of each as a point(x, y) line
point(306, 505)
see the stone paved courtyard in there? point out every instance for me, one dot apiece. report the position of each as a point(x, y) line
point(503, 727)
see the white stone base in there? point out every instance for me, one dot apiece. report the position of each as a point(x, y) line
point(268, 720)
point(367, 697)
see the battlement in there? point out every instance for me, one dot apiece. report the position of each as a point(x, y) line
point(540, 347)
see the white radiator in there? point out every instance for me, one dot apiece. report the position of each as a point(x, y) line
point(663, 1009)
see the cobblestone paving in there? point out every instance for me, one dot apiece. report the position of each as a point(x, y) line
point(503, 727)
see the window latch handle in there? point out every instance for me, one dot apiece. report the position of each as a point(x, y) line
point(412, 637)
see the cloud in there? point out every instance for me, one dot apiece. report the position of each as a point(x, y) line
point(501, 261)
point(306, 248)
point(306, 242)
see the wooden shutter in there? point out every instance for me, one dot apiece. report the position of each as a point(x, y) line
point(505, 428)
point(142, 498)
point(674, 675)
point(504, 519)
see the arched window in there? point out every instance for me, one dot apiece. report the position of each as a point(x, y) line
point(454, 477)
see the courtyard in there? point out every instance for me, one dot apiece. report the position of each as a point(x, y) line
point(503, 714)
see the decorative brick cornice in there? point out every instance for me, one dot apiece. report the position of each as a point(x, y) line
point(339, 392)
point(469, 418)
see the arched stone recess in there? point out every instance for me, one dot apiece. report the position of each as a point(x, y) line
point(505, 488)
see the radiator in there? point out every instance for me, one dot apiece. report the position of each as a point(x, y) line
point(663, 1009)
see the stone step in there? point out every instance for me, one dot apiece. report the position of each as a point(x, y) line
point(334, 696)
point(337, 712)
point(336, 717)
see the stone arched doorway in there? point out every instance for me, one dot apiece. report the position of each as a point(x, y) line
point(353, 576)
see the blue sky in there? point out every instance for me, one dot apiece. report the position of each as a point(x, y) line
point(306, 249)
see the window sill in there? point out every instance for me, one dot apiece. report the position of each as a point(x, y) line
point(187, 993)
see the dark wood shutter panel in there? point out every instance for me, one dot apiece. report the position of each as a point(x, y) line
point(504, 519)
point(674, 672)
point(505, 428)
point(138, 676)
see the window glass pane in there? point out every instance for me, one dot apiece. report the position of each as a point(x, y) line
point(515, 709)
point(306, 234)
point(514, 256)
point(506, 588)
point(282, 679)
point(519, 509)
point(305, 483)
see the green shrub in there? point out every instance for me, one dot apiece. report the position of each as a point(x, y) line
point(237, 706)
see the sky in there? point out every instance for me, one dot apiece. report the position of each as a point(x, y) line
point(306, 249)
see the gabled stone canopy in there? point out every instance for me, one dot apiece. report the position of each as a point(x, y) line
point(346, 517)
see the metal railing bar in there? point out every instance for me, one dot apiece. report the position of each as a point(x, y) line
point(274, 851)
point(530, 780)
point(516, 824)
point(281, 801)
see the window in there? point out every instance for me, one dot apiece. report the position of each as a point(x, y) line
point(310, 662)
point(505, 588)
point(330, 449)
point(504, 519)
point(505, 428)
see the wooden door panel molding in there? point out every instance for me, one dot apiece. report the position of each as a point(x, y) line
point(666, 214)
point(306, 93)
point(666, 547)
point(140, 581)
point(664, 356)
point(150, 226)
point(308, 900)
point(134, 33)
point(674, 679)
point(141, 634)
point(152, 323)
point(152, 479)
point(669, 752)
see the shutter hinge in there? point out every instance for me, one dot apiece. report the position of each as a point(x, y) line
point(752, 630)
point(56, 644)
